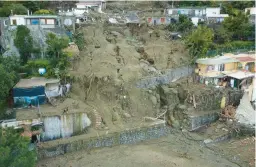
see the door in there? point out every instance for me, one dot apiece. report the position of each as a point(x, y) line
point(14, 22)
point(154, 22)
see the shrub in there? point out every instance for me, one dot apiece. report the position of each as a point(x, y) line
point(44, 11)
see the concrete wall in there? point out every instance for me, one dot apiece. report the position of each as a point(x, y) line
point(64, 126)
point(112, 139)
point(212, 11)
point(20, 20)
point(169, 76)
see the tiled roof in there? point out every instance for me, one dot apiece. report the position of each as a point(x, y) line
point(245, 59)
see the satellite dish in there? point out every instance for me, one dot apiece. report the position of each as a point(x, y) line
point(42, 71)
point(67, 22)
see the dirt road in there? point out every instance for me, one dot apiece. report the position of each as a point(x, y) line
point(172, 151)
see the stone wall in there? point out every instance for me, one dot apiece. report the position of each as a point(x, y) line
point(112, 139)
point(211, 99)
point(170, 75)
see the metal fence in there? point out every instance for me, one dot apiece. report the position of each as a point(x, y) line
point(212, 53)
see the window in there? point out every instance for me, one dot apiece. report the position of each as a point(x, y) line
point(50, 21)
point(34, 21)
point(14, 22)
point(221, 67)
point(42, 21)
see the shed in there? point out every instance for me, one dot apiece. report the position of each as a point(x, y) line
point(32, 91)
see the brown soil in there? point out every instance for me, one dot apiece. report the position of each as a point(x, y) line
point(105, 76)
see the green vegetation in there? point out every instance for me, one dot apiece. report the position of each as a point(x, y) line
point(239, 26)
point(16, 8)
point(14, 150)
point(44, 11)
point(59, 60)
point(79, 40)
point(183, 25)
point(24, 42)
point(199, 41)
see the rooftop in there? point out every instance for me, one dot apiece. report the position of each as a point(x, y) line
point(41, 16)
point(239, 74)
point(245, 59)
point(34, 82)
point(216, 60)
point(74, 106)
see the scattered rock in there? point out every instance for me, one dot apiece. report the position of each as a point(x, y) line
point(127, 115)
point(153, 100)
point(175, 124)
point(207, 141)
point(182, 107)
point(224, 129)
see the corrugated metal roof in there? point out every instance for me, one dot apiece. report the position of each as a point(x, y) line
point(216, 60)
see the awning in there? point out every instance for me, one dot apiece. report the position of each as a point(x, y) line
point(240, 74)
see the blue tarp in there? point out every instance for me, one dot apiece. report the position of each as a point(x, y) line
point(25, 101)
point(35, 91)
point(24, 96)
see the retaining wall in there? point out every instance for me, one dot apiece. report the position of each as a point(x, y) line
point(170, 75)
point(124, 137)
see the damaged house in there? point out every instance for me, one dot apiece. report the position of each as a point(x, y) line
point(59, 121)
point(235, 71)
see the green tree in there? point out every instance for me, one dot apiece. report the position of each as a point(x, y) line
point(59, 60)
point(199, 41)
point(183, 25)
point(16, 8)
point(239, 26)
point(24, 42)
point(6, 82)
point(221, 35)
point(14, 150)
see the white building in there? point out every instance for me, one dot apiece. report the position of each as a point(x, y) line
point(213, 15)
point(17, 20)
point(83, 6)
point(45, 21)
point(187, 11)
point(212, 11)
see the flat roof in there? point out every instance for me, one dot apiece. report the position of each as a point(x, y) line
point(48, 110)
point(217, 15)
point(239, 74)
point(34, 82)
point(216, 60)
point(40, 16)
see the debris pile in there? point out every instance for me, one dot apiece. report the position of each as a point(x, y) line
point(228, 112)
